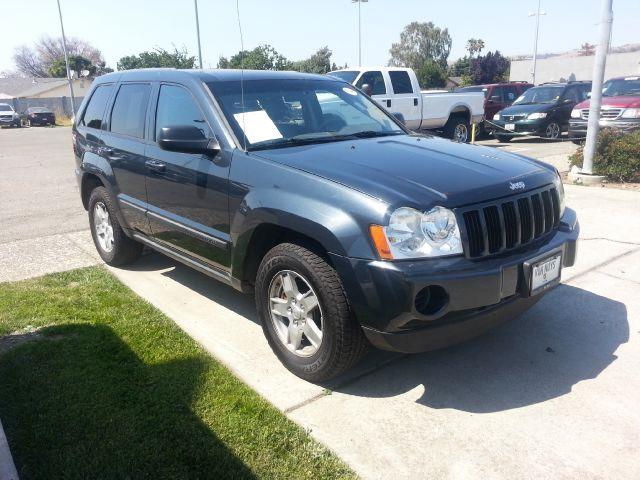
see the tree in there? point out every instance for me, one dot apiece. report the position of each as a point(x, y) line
point(475, 46)
point(420, 42)
point(319, 62)
point(158, 58)
point(37, 60)
point(490, 68)
point(264, 57)
point(431, 75)
point(587, 49)
point(77, 64)
point(460, 67)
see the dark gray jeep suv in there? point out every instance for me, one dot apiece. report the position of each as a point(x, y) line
point(347, 228)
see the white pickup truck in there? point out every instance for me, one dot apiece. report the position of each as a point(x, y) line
point(398, 91)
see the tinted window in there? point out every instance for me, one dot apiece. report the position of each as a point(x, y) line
point(177, 107)
point(5, 108)
point(496, 94)
point(376, 81)
point(129, 109)
point(401, 82)
point(583, 91)
point(622, 86)
point(92, 117)
point(510, 93)
point(572, 94)
point(348, 76)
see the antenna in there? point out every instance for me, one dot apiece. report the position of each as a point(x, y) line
point(244, 131)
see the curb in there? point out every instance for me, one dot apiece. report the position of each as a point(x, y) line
point(7, 467)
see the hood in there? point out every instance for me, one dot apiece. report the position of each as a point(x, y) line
point(623, 101)
point(527, 108)
point(417, 171)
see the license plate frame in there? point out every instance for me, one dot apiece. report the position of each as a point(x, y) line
point(545, 263)
point(510, 127)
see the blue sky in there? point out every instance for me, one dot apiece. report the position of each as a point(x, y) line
point(297, 28)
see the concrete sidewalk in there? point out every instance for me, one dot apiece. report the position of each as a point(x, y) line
point(553, 394)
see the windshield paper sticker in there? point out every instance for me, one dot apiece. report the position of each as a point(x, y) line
point(257, 126)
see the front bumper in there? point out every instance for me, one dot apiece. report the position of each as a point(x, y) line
point(481, 294)
point(521, 127)
point(578, 127)
point(9, 121)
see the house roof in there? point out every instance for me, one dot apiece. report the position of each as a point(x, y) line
point(28, 87)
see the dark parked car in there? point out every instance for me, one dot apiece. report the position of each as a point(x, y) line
point(38, 116)
point(497, 96)
point(345, 227)
point(620, 108)
point(543, 111)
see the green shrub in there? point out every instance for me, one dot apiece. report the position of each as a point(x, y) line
point(617, 155)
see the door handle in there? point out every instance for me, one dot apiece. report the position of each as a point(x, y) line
point(388, 103)
point(155, 165)
point(415, 102)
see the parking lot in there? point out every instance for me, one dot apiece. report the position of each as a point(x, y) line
point(553, 394)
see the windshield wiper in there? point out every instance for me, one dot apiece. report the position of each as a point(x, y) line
point(306, 139)
point(372, 134)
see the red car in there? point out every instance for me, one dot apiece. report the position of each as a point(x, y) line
point(620, 108)
point(497, 96)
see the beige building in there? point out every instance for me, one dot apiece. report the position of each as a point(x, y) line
point(572, 66)
point(55, 87)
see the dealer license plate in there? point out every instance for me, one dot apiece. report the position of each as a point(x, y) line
point(545, 273)
point(510, 126)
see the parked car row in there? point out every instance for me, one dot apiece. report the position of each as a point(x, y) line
point(32, 116)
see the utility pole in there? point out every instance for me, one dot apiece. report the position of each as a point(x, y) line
point(359, 2)
point(593, 125)
point(195, 4)
point(537, 14)
point(66, 61)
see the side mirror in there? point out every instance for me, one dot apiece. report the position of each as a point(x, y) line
point(367, 89)
point(588, 94)
point(399, 117)
point(187, 139)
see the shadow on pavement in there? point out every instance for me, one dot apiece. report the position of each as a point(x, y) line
point(568, 337)
point(84, 405)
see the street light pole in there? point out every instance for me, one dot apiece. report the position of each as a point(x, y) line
point(359, 2)
point(195, 4)
point(535, 42)
point(66, 61)
point(593, 124)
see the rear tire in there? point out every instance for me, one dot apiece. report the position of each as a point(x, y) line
point(458, 129)
point(113, 245)
point(577, 141)
point(341, 341)
point(503, 138)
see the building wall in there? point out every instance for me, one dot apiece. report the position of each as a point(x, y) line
point(80, 89)
point(564, 66)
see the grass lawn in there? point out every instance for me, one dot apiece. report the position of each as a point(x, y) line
point(108, 387)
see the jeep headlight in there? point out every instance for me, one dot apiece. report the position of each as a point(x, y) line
point(496, 116)
point(631, 113)
point(536, 116)
point(415, 234)
point(560, 189)
point(575, 113)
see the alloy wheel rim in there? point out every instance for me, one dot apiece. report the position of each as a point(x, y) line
point(295, 312)
point(103, 227)
point(460, 133)
point(553, 130)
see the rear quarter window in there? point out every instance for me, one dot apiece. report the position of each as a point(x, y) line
point(92, 116)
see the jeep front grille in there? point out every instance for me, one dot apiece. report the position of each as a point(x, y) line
point(509, 223)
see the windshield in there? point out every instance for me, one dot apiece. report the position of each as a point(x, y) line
point(623, 86)
point(39, 110)
point(472, 89)
point(5, 108)
point(281, 113)
point(347, 76)
point(540, 95)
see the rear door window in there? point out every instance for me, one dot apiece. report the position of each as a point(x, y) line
point(400, 82)
point(496, 95)
point(128, 115)
point(92, 116)
point(510, 93)
point(376, 80)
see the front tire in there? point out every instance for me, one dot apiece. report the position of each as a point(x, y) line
point(305, 314)
point(113, 245)
point(553, 131)
point(503, 138)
